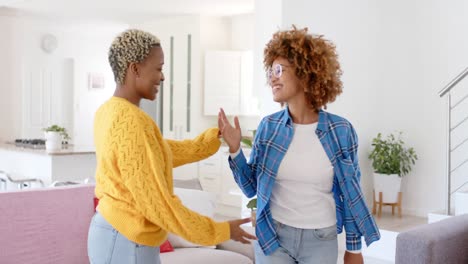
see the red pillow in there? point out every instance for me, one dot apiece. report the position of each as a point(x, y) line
point(166, 247)
point(96, 202)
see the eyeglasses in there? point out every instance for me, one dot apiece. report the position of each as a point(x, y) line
point(276, 70)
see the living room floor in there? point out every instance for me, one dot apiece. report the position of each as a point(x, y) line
point(396, 224)
point(383, 251)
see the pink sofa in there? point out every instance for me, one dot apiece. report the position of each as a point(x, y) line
point(50, 225)
point(47, 225)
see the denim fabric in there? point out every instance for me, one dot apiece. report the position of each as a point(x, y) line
point(301, 246)
point(107, 246)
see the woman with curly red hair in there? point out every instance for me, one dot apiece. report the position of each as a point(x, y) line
point(304, 165)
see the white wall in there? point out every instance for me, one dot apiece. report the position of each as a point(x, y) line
point(268, 19)
point(395, 57)
point(86, 44)
point(10, 72)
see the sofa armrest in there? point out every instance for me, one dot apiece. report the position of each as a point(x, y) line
point(243, 249)
point(445, 241)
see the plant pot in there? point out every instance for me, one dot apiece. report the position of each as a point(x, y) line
point(389, 185)
point(53, 141)
point(253, 217)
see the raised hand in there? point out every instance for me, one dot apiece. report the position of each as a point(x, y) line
point(239, 234)
point(232, 135)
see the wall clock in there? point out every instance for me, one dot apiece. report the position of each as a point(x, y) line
point(49, 43)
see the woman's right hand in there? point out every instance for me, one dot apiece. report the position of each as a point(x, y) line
point(231, 135)
point(239, 234)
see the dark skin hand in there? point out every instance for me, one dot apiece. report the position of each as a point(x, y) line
point(231, 135)
point(239, 234)
point(351, 258)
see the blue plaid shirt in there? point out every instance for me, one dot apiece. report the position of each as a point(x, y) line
point(339, 140)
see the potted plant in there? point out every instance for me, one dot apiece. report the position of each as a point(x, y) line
point(247, 141)
point(390, 160)
point(252, 205)
point(54, 136)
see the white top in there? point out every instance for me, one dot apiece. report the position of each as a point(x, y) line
point(302, 196)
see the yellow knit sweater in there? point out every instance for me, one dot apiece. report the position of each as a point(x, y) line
point(134, 177)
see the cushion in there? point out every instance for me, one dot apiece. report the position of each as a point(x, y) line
point(236, 246)
point(204, 256)
point(188, 184)
point(166, 247)
point(96, 202)
point(179, 242)
point(199, 201)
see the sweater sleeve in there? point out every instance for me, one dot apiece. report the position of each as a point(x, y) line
point(192, 150)
point(141, 158)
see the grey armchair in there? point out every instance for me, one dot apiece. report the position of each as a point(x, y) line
point(443, 242)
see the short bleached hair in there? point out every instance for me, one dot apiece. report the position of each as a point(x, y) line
point(132, 45)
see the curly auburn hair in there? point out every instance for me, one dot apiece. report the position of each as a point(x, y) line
point(132, 45)
point(314, 60)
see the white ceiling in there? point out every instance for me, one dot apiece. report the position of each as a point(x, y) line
point(128, 10)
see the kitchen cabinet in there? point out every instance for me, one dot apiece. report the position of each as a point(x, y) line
point(47, 96)
point(216, 176)
point(228, 83)
point(72, 163)
point(209, 171)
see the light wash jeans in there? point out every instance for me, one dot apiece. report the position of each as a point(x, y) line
point(107, 246)
point(301, 246)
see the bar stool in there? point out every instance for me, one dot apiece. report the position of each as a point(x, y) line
point(63, 183)
point(22, 182)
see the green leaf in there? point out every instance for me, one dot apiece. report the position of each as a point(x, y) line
point(247, 142)
point(56, 128)
point(252, 204)
point(389, 156)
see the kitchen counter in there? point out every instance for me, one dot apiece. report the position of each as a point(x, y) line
point(73, 163)
point(66, 149)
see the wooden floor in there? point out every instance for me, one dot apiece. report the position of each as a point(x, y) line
point(396, 224)
point(386, 221)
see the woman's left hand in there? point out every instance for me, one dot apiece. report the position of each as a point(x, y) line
point(353, 258)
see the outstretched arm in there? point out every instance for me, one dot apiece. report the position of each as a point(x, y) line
point(192, 150)
point(143, 171)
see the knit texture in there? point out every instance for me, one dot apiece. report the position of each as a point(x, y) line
point(134, 177)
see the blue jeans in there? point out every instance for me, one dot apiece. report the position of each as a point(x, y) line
point(301, 246)
point(107, 246)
